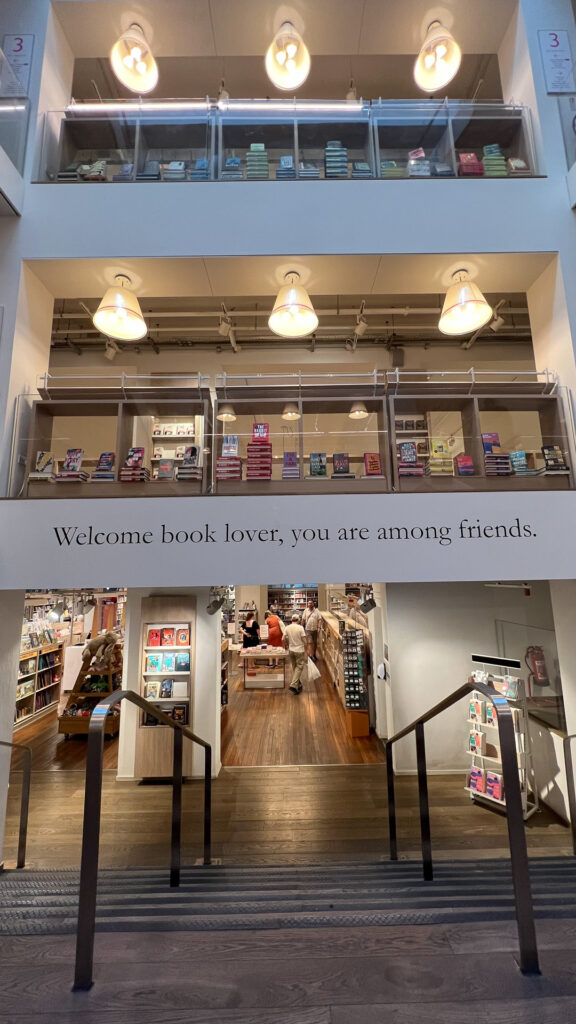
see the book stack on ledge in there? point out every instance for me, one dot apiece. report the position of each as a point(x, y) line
point(517, 168)
point(470, 166)
point(554, 460)
point(290, 466)
point(259, 451)
point(341, 467)
point(229, 464)
point(104, 472)
point(408, 464)
point(72, 471)
point(190, 468)
point(465, 465)
point(494, 162)
point(440, 461)
point(372, 465)
point(496, 462)
point(133, 470)
point(519, 463)
point(43, 467)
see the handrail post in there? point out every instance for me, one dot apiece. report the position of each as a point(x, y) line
point(90, 851)
point(517, 840)
point(207, 805)
point(424, 806)
point(176, 839)
point(568, 760)
point(393, 840)
point(24, 805)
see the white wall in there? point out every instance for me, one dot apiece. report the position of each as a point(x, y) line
point(433, 630)
point(11, 612)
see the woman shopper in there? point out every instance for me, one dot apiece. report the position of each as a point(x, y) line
point(250, 637)
point(276, 630)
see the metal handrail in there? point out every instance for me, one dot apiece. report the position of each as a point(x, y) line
point(92, 818)
point(571, 780)
point(514, 814)
point(24, 800)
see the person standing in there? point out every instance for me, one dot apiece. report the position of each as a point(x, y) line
point(250, 638)
point(276, 630)
point(295, 640)
point(311, 622)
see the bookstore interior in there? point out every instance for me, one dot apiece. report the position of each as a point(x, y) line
point(303, 673)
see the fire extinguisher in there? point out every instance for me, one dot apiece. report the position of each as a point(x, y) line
point(536, 664)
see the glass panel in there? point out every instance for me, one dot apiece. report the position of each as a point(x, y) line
point(256, 150)
point(14, 111)
point(332, 439)
point(491, 140)
point(414, 141)
point(535, 647)
point(334, 149)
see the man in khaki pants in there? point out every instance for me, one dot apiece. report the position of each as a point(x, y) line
point(295, 640)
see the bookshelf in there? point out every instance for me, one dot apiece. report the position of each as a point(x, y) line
point(291, 600)
point(38, 685)
point(345, 649)
point(91, 686)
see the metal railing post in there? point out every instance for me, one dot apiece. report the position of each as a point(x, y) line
point(392, 835)
point(424, 806)
point(24, 800)
point(176, 838)
point(207, 805)
point(569, 762)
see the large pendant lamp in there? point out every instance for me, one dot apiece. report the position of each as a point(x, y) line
point(226, 414)
point(290, 411)
point(438, 60)
point(465, 309)
point(293, 315)
point(132, 61)
point(119, 315)
point(287, 59)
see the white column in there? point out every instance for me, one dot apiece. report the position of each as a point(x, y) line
point(563, 595)
point(130, 681)
point(11, 611)
point(206, 714)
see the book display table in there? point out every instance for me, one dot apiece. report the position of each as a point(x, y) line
point(257, 673)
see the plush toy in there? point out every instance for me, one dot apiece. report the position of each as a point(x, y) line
point(99, 651)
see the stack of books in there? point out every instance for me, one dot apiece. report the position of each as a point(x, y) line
point(496, 462)
point(390, 169)
point(519, 464)
point(361, 169)
point(290, 466)
point(341, 467)
point(286, 170)
point(126, 173)
point(200, 171)
point(470, 166)
point(494, 162)
point(440, 461)
point(465, 465)
point(318, 464)
point(517, 168)
point(418, 167)
point(335, 160)
point(43, 467)
point(190, 468)
point(133, 470)
point(308, 169)
point(257, 162)
point(104, 471)
point(150, 171)
point(229, 467)
point(72, 467)
point(408, 463)
point(259, 460)
point(164, 470)
point(232, 169)
point(442, 170)
point(554, 460)
point(175, 171)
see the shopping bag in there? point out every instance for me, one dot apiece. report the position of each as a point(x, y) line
point(311, 672)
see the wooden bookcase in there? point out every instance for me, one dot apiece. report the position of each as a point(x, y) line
point(331, 650)
point(90, 687)
point(40, 672)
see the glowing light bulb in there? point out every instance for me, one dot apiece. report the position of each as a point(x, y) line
point(441, 51)
point(293, 315)
point(141, 67)
point(287, 59)
point(292, 50)
point(439, 59)
point(465, 308)
point(136, 53)
point(132, 61)
point(281, 57)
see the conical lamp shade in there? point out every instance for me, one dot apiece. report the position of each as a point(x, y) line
point(438, 60)
point(465, 309)
point(132, 61)
point(287, 59)
point(358, 411)
point(119, 315)
point(226, 414)
point(290, 411)
point(293, 315)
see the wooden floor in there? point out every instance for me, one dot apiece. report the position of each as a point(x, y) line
point(52, 753)
point(275, 727)
point(268, 816)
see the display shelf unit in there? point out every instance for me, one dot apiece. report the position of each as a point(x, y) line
point(336, 652)
point(91, 686)
point(486, 761)
point(224, 673)
point(108, 425)
point(292, 599)
point(153, 757)
point(40, 672)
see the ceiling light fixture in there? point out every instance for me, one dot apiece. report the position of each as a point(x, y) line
point(226, 414)
point(111, 349)
point(287, 59)
point(132, 62)
point(465, 309)
point(293, 315)
point(119, 315)
point(358, 411)
point(290, 411)
point(438, 60)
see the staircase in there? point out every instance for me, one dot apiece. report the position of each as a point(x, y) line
point(310, 896)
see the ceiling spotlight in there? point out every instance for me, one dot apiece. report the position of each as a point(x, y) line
point(215, 605)
point(132, 61)
point(290, 411)
point(438, 60)
point(119, 314)
point(358, 411)
point(223, 94)
point(287, 59)
point(293, 315)
point(351, 95)
point(497, 323)
point(111, 350)
point(226, 414)
point(465, 309)
point(349, 345)
point(361, 327)
point(224, 327)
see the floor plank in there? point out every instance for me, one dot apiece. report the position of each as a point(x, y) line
point(507, 1011)
point(51, 752)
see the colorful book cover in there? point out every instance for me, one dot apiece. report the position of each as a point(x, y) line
point(169, 662)
point(157, 430)
point(290, 460)
point(341, 463)
point(317, 463)
point(465, 465)
point(191, 455)
point(491, 715)
point(154, 637)
point(439, 448)
point(477, 780)
point(152, 691)
point(168, 636)
point(180, 713)
point(166, 469)
point(229, 445)
point(182, 661)
point(494, 785)
point(476, 710)
point(260, 431)
point(372, 464)
point(519, 461)
point(553, 457)
point(183, 636)
point(44, 463)
point(477, 743)
point(491, 442)
point(106, 462)
point(166, 688)
point(73, 460)
point(408, 451)
point(153, 662)
point(135, 458)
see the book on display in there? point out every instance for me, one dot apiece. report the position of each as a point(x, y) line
point(43, 467)
point(105, 467)
point(290, 466)
point(341, 466)
point(72, 466)
point(372, 464)
point(166, 469)
point(318, 464)
point(230, 445)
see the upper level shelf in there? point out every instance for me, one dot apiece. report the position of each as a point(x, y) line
point(284, 140)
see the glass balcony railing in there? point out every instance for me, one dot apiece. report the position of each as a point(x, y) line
point(284, 140)
point(14, 113)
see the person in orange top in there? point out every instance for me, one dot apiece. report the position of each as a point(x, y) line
point(276, 630)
